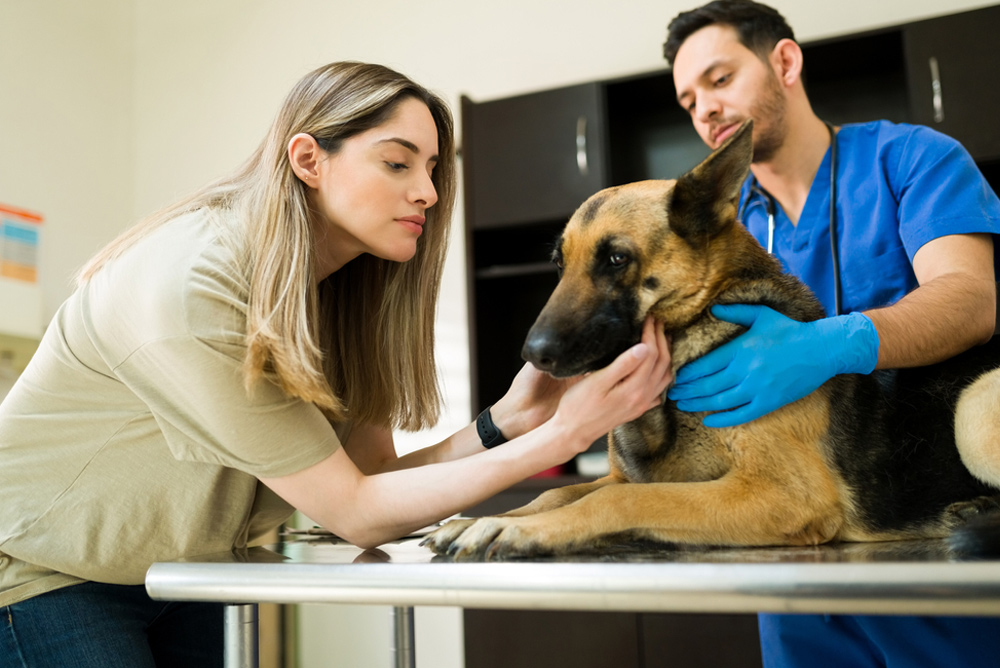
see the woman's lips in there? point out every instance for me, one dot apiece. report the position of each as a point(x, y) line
point(414, 223)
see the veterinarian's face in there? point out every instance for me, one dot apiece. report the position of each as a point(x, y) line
point(721, 83)
point(372, 194)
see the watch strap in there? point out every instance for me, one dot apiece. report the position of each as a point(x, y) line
point(489, 434)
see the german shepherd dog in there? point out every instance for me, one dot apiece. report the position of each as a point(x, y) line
point(863, 458)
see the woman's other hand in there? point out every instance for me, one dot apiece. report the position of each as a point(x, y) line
point(631, 385)
point(534, 396)
point(531, 401)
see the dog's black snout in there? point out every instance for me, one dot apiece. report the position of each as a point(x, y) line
point(541, 349)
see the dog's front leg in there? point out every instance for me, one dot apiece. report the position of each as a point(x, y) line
point(561, 496)
point(734, 510)
point(778, 491)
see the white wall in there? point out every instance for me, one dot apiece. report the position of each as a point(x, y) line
point(66, 129)
point(112, 108)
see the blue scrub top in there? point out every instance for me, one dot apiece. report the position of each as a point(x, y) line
point(898, 187)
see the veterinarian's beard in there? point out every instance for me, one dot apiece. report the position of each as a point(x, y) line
point(768, 114)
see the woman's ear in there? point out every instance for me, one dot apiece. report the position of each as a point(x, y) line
point(304, 155)
point(786, 59)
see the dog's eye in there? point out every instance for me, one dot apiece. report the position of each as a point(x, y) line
point(618, 259)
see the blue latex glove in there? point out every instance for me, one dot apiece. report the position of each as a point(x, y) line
point(775, 362)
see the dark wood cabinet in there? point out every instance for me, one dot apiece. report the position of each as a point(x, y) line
point(699, 641)
point(511, 277)
point(530, 160)
point(509, 638)
point(533, 157)
point(858, 78)
point(505, 638)
point(953, 72)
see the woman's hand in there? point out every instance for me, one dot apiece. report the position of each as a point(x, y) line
point(631, 385)
point(534, 395)
point(531, 400)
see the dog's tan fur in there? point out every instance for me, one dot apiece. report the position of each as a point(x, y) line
point(774, 481)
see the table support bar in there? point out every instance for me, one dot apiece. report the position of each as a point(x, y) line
point(403, 650)
point(241, 634)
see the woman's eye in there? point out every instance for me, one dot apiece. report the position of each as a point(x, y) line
point(721, 81)
point(618, 259)
point(396, 166)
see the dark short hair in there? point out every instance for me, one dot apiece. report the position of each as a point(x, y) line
point(758, 26)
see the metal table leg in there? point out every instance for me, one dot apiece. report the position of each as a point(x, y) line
point(403, 651)
point(241, 632)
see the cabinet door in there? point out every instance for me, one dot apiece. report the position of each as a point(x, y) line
point(546, 639)
point(696, 640)
point(954, 78)
point(533, 157)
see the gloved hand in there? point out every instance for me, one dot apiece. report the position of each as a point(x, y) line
point(775, 362)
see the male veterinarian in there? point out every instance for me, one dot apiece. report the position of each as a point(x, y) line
point(908, 280)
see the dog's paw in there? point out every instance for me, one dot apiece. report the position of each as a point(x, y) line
point(491, 538)
point(964, 511)
point(440, 540)
point(470, 542)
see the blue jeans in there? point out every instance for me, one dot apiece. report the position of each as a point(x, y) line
point(873, 641)
point(93, 625)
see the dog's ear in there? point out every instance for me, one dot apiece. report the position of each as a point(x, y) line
point(705, 200)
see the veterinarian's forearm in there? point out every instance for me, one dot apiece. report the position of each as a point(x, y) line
point(938, 320)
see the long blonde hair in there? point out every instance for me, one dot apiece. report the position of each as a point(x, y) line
point(361, 344)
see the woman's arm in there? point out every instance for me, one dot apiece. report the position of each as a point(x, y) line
point(531, 400)
point(368, 510)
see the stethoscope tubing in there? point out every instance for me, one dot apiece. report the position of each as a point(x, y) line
point(770, 207)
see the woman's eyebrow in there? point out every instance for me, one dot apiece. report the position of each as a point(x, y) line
point(405, 143)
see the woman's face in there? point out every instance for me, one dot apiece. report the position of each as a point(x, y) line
point(373, 193)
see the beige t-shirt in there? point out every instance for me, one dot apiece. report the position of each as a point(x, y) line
point(130, 438)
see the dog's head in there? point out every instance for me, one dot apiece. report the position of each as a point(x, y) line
point(655, 247)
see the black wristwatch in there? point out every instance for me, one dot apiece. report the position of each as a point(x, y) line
point(488, 432)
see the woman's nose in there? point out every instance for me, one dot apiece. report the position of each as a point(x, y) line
point(425, 192)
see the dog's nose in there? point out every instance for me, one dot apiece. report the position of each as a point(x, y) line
point(541, 349)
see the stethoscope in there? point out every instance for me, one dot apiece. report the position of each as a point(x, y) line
point(834, 248)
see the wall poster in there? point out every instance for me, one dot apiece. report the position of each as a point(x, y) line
point(19, 240)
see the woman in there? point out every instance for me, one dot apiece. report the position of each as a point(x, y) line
point(247, 351)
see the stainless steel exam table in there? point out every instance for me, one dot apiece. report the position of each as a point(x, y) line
point(915, 577)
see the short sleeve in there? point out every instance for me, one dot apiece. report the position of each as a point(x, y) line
point(940, 190)
point(195, 393)
point(169, 319)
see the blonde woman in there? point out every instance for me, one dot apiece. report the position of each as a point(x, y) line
point(249, 351)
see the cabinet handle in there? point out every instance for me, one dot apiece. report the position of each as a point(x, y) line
point(938, 101)
point(581, 146)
